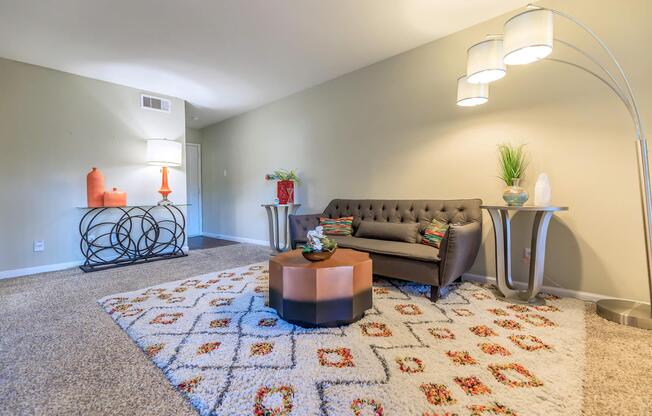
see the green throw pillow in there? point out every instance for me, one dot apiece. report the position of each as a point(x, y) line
point(434, 233)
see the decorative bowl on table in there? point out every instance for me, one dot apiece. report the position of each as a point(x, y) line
point(318, 247)
point(318, 255)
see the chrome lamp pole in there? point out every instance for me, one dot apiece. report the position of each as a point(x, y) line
point(529, 37)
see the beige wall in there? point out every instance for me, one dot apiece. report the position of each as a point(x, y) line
point(53, 128)
point(392, 130)
point(193, 135)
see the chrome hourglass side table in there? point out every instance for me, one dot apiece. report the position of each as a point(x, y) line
point(502, 231)
point(275, 231)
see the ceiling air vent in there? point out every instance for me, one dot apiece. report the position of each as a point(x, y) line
point(154, 103)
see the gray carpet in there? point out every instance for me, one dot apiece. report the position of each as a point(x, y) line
point(60, 354)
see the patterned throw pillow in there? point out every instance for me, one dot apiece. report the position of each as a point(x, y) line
point(434, 233)
point(337, 226)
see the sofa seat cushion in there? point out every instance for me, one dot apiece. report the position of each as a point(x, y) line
point(391, 248)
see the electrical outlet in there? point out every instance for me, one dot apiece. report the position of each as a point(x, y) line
point(39, 245)
point(225, 172)
point(527, 255)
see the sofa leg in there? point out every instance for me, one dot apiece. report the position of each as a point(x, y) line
point(435, 293)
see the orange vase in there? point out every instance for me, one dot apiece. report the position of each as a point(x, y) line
point(115, 198)
point(95, 188)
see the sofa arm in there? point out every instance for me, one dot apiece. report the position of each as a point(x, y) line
point(458, 251)
point(299, 227)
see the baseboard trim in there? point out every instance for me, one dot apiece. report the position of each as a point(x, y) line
point(27, 271)
point(237, 239)
point(8, 274)
point(559, 291)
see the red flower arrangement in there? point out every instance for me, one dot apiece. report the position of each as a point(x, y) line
point(285, 184)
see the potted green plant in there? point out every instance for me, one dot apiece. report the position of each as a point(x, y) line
point(285, 184)
point(318, 247)
point(512, 162)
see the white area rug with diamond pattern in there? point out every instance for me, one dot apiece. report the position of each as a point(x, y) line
point(468, 354)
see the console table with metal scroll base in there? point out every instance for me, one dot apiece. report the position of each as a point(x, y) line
point(502, 231)
point(273, 220)
point(122, 236)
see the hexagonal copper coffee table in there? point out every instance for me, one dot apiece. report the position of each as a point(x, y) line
point(332, 292)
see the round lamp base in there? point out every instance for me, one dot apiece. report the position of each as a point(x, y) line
point(625, 312)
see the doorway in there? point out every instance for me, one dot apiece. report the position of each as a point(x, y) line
point(193, 186)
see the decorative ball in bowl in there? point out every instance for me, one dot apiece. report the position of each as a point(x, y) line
point(318, 255)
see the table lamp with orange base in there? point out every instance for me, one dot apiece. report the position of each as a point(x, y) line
point(164, 153)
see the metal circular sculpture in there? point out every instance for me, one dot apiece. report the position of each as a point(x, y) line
point(119, 236)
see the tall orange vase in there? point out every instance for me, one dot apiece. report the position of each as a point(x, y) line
point(95, 188)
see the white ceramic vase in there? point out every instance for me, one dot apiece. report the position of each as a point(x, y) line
point(542, 191)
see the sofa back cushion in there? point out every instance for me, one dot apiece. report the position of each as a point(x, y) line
point(421, 211)
point(406, 232)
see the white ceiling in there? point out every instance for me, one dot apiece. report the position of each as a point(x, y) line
point(226, 56)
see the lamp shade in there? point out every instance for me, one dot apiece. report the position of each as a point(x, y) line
point(528, 37)
point(163, 152)
point(484, 62)
point(469, 95)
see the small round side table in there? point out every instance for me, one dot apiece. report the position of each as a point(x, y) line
point(502, 231)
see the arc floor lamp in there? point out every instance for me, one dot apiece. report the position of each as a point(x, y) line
point(529, 37)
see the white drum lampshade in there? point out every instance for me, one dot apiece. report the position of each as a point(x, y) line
point(469, 95)
point(528, 37)
point(484, 62)
point(163, 152)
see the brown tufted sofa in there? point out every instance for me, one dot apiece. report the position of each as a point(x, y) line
point(404, 260)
